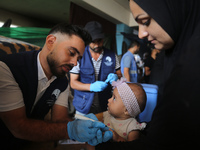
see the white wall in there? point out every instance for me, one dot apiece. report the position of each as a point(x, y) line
point(109, 9)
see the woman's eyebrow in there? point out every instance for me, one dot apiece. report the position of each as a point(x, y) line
point(137, 17)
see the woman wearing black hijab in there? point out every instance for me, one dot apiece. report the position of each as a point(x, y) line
point(172, 26)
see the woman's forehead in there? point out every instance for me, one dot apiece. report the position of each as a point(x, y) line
point(137, 10)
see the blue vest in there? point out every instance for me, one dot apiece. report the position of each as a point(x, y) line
point(132, 69)
point(24, 69)
point(84, 99)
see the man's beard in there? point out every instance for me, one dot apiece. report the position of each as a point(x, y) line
point(53, 65)
point(96, 49)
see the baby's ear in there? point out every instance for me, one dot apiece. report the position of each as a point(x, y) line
point(126, 112)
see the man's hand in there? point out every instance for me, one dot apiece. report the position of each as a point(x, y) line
point(103, 134)
point(111, 77)
point(88, 131)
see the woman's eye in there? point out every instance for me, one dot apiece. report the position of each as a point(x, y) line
point(146, 23)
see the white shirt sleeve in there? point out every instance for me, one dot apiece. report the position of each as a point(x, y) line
point(10, 93)
point(63, 98)
point(76, 69)
point(117, 65)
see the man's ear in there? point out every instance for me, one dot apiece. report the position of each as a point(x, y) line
point(50, 40)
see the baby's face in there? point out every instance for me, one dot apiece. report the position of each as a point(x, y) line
point(115, 105)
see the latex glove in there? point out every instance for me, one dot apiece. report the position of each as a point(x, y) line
point(107, 134)
point(84, 130)
point(103, 134)
point(98, 86)
point(96, 140)
point(111, 77)
point(99, 137)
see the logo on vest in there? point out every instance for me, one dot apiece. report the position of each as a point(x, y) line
point(108, 61)
point(54, 97)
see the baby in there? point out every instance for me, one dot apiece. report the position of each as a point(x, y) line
point(127, 102)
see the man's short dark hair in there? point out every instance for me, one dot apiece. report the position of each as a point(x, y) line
point(134, 43)
point(70, 30)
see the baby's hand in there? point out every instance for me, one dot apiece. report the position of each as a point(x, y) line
point(116, 137)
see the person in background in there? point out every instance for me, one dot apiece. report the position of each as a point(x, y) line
point(148, 64)
point(140, 66)
point(128, 63)
point(145, 56)
point(91, 79)
point(34, 82)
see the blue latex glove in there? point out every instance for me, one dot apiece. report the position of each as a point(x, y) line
point(85, 130)
point(96, 140)
point(107, 136)
point(111, 77)
point(98, 86)
point(101, 137)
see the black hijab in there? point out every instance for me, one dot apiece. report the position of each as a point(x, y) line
point(176, 119)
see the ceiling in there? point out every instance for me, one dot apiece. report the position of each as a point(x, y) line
point(123, 3)
point(48, 10)
point(56, 10)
